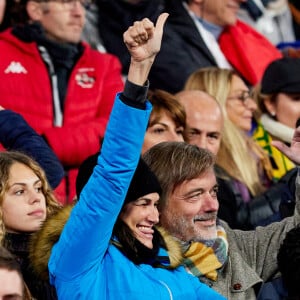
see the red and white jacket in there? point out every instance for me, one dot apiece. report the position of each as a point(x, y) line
point(28, 87)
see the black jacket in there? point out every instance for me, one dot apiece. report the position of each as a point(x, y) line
point(182, 51)
point(274, 204)
point(18, 245)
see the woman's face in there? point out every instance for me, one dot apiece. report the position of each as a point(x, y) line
point(24, 204)
point(140, 216)
point(162, 130)
point(239, 105)
point(286, 109)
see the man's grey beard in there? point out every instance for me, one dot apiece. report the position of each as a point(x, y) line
point(178, 227)
point(183, 230)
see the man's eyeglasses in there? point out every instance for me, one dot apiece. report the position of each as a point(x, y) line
point(243, 96)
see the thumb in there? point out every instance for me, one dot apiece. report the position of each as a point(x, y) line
point(161, 22)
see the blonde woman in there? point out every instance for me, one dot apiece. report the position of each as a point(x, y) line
point(241, 163)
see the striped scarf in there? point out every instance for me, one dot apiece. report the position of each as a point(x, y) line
point(263, 133)
point(207, 257)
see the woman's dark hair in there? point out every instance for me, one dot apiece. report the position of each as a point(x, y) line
point(132, 248)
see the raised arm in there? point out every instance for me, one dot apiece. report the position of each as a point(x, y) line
point(101, 199)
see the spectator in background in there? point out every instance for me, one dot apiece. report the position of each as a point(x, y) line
point(207, 33)
point(204, 126)
point(272, 18)
point(167, 119)
point(278, 98)
point(204, 119)
point(65, 89)
point(12, 284)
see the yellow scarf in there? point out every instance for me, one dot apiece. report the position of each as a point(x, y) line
point(205, 258)
point(281, 164)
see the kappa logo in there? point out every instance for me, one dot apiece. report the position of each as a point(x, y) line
point(15, 67)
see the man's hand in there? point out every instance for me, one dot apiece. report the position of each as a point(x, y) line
point(143, 39)
point(292, 152)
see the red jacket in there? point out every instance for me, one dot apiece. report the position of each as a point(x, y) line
point(26, 88)
point(248, 51)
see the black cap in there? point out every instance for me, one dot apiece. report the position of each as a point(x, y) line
point(282, 76)
point(143, 182)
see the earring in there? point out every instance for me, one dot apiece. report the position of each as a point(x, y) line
point(273, 113)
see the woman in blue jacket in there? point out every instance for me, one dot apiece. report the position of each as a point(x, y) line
point(108, 250)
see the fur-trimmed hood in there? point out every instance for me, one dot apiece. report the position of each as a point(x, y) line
point(43, 241)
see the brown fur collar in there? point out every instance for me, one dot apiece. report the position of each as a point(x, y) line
point(43, 241)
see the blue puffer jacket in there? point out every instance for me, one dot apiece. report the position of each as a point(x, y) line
point(83, 264)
